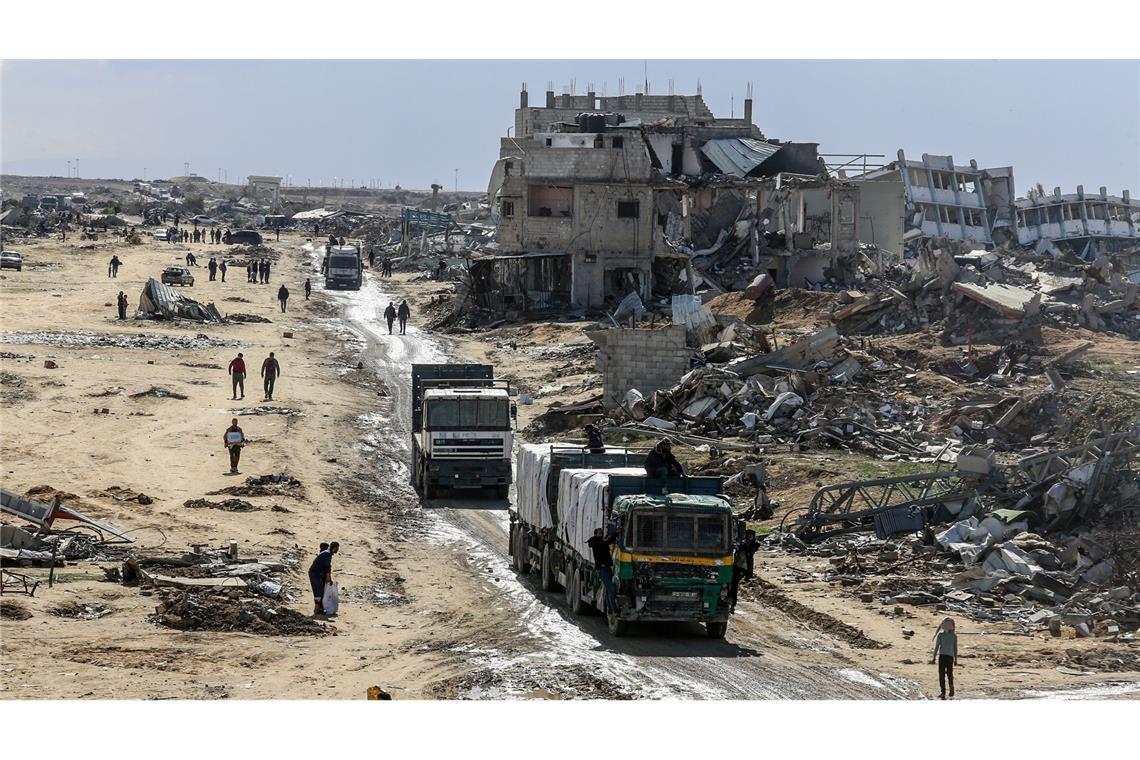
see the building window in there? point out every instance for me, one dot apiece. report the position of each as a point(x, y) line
point(508, 208)
point(627, 209)
point(549, 142)
point(549, 200)
point(619, 142)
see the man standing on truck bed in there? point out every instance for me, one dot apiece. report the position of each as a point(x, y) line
point(604, 562)
point(660, 463)
point(270, 370)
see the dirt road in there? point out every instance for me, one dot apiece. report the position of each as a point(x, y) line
point(756, 660)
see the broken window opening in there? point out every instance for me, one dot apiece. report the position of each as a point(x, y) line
point(628, 209)
point(618, 142)
point(508, 208)
point(550, 200)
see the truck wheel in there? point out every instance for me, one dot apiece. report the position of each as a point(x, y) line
point(574, 592)
point(617, 626)
point(548, 582)
point(522, 556)
point(716, 630)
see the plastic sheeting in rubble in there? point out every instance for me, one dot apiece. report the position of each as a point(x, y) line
point(160, 301)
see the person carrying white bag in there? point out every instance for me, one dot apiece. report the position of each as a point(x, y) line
point(325, 596)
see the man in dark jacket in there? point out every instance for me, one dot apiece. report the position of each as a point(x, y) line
point(604, 562)
point(742, 564)
point(270, 370)
point(308, 288)
point(283, 297)
point(320, 575)
point(661, 463)
point(233, 439)
point(390, 315)
point(403, 313)
point(121, 301)
point(594, 440)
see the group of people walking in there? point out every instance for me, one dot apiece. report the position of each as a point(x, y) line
point(391, 314)
point(257, 270)
point(270, 371)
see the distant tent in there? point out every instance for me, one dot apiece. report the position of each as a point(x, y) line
point(160, 301)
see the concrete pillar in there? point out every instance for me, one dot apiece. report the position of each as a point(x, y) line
point(550, 98)
point(748, 110)
point(566, 100)
point(522, 98)
point(637, 102)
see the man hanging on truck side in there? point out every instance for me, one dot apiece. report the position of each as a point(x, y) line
point(660, 463)
point(742, 564)
point(600, 545)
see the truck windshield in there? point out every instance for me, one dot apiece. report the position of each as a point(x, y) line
point(680, 532)
point(347, 264)
point(468, 414)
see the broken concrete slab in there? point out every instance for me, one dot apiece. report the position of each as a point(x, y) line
point(1007, 300)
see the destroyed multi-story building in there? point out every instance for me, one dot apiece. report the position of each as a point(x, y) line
point(596, 197)
point(1088, 224)
point(907, 201)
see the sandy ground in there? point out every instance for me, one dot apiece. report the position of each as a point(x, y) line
point(429, 606)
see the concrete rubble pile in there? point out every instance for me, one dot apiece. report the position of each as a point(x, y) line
point(985, 296)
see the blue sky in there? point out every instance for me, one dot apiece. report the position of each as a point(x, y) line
point(415, 122)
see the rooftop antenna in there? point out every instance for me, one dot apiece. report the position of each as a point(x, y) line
point(699, 92)
point(749, 89)
point(645, 66)
point(573, 86)
point(605, 86)
point(671, 93)
point(732, 106)
point(550, 85)
point(621, 86)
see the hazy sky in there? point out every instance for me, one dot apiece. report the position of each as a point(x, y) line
point(415, 122)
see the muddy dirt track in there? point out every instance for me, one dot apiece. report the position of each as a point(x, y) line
point(762, 657)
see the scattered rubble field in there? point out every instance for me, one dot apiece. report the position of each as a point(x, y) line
point(10, 609)
point(520, 683)
point(233, 611)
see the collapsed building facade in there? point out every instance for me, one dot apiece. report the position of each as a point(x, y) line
point(598, 197)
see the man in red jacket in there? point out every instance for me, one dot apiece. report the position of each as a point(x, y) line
point(237, 375)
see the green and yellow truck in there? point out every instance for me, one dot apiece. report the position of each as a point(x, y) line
point(673, 537)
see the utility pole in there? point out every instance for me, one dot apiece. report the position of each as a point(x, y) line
point(144, 174)
point(186, 169)
point(69, 168)
point(457, 180)
point(77, 168)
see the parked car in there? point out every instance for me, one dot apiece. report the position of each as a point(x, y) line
point(177, 276)
point(252, 237)
point(11, 260)
point(162, 235)
point(204, 221)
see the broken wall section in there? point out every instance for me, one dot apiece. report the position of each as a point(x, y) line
point(647, 360)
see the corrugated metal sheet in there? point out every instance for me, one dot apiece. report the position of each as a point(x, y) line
point(738, 155)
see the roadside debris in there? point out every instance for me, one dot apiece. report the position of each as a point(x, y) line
point(158, 301)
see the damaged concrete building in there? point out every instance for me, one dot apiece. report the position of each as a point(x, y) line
point(909, 201)
point(1086, 224)
point(597, 197)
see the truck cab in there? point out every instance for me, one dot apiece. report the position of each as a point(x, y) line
point(673, 559)
point(342, 267)
point(462, 435)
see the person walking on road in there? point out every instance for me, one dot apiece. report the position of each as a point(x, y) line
point(320, 575)
point(250, 271)
point(266, 271)
point(390, 315)
point(121, 302)
point(600, 544)
point(222, 268)
point(946, 652)
point(270, 371)
point(371, 258)
point(213, 265)
point(113, 266)
point(742, 564)
point(237, 375)
point(403, 313)
point(283, 296)
point(234, 439)
point(308, 288)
